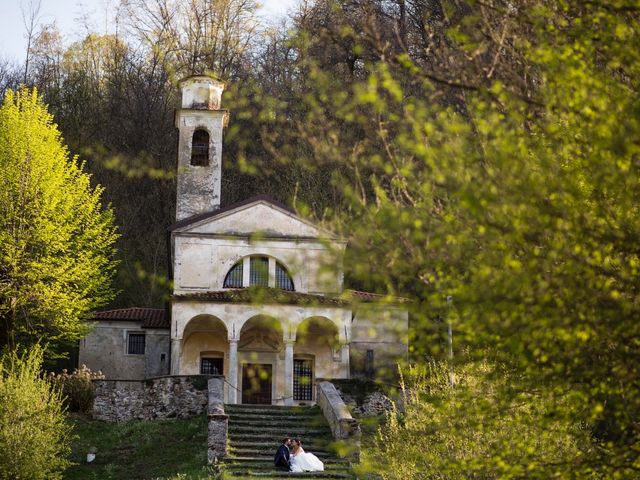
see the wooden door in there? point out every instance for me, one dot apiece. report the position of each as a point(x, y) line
point(256, 383)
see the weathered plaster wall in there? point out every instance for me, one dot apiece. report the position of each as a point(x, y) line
point(383, 329)
point(327, 360)
point(198, 187)
point(105, 349)
point(202, 262)
point(201, 342)
point(164, 397)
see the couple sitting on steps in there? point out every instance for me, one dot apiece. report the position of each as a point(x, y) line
point(292, 458)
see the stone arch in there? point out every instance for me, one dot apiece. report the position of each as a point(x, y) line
point(318, 341)
point(319, 325)
point(204, 339)
point(261, 327)
point(259, 346)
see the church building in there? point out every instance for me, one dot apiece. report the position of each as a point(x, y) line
point(257, 290)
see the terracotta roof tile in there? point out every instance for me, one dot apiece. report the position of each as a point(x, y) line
point(371, 297)
point(149, 317)
point(262, 295)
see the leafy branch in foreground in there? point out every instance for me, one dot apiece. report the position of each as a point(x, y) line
point(526, 214)
point(477, 429)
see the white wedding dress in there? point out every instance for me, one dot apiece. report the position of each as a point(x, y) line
point(306, 462)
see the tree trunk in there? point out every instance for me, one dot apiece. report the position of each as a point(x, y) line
point(7, 326)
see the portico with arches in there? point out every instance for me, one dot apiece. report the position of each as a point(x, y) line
point(268, 354)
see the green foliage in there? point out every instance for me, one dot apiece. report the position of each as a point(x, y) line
point(76, 388)
point(475, 430)
point(34, 436)
point(56, 238)
point(517, 197)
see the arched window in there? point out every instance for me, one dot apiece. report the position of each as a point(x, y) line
point(283, 279)
point(259, 274)
point(259, 271)
point(200, 148)
point(234, 277)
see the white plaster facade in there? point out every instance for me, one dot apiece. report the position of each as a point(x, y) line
point(206, 249)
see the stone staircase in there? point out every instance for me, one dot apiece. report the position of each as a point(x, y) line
point(255, 432)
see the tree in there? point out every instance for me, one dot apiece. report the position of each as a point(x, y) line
point(34, 437)
point(56, 239)
point(516, 196)
point(30, 14)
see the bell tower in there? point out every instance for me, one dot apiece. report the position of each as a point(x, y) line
point(200, 122)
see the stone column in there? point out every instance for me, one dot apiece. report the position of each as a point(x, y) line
point(176, 351)
point(233, 371)
point(288, 372)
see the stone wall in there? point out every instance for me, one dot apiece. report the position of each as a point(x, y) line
point(366, 398)
point(343, 426)
point(162, 397)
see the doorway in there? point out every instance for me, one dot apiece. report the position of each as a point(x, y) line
point(256, 383)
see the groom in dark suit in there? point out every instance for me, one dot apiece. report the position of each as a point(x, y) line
point(281, 459)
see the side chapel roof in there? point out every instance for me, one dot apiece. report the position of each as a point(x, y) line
point(149, 317)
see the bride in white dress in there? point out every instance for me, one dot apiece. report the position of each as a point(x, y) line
point(302, 461)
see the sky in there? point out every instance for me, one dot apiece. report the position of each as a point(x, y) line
point(68, 14)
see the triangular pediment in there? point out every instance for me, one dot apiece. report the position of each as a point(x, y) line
point(253, 218)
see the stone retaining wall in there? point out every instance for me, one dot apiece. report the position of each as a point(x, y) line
point(162, 397)
point(368, 398)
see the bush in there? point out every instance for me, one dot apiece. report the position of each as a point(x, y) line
point(34, 437)
point(484, 427)
point(77, 388)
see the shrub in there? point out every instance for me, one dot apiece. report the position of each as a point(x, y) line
point(484, 427)
point(77, 388)
point(34, 437)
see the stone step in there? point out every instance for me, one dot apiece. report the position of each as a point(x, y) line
point(267, 461)
point(275, 410)
point(255, 432)
point(278, 422)
point(261, 442)
point(276, 432)
point(270, 451)
point(262, 467)
point(275, 419)
point(276, 474)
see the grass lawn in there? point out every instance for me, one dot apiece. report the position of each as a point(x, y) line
point(168, 449)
